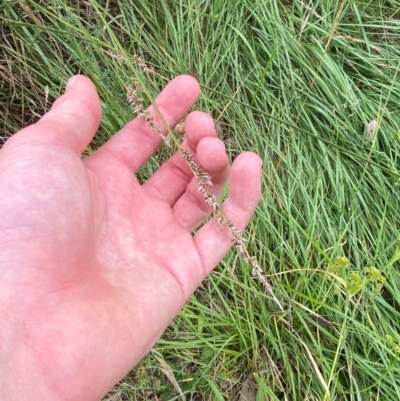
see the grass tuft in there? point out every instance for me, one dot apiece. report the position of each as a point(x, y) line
point(298, 82)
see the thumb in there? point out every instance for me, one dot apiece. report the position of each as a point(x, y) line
point(72, 121)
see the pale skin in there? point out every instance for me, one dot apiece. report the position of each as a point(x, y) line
point(94, 266)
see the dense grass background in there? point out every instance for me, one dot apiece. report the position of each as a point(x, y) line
point(297, 82)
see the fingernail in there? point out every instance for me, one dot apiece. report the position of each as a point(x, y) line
point(70, 82)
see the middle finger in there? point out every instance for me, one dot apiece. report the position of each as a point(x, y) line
point(171, 180)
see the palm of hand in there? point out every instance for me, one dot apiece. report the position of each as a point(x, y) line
point(105, 263)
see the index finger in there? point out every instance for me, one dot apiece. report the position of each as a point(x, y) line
point(134, 144)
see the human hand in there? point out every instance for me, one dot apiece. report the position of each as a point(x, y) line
point(94, 266)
